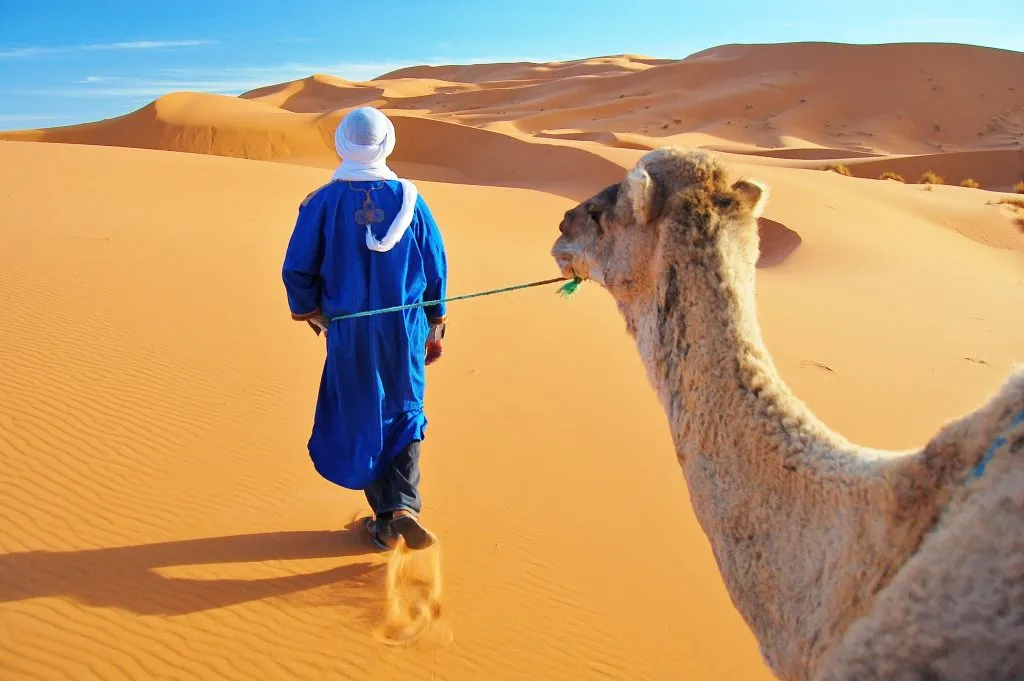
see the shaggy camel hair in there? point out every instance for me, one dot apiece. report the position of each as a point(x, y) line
point(846, 562)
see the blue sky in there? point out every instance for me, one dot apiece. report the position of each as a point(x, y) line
point(65, 62)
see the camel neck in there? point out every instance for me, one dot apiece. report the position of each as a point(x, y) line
point(803, 524)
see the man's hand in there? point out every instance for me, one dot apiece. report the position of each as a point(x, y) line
point(318, 323)
point(434, 350)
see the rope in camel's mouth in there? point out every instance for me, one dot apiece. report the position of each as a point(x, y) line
point(566, 290)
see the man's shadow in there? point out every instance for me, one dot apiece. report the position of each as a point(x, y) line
point(127, 577)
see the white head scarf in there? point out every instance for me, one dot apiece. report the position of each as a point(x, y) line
point(364, 140)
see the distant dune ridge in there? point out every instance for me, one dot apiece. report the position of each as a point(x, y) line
point(161, 518)
point(798, 104)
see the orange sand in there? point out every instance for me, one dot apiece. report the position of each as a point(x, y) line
point(160, 516)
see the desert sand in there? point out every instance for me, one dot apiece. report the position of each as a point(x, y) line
point(160, 517)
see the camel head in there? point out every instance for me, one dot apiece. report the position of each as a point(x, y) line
point(674, 204)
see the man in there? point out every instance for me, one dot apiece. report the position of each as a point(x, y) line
point(366, 241)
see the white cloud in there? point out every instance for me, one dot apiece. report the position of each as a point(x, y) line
point(259, 76)
point(144, 88)
point(147, 44)
point(939, 21)
point(13, 118)
point(39, 50)
point(26, 52)
point(149, 90)
point(224, 80)
point(29, 120)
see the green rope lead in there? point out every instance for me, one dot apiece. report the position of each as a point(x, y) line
point(567, 290)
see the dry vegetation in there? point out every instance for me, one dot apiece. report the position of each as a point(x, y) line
point(970, 184)
point(929, 177)
point(1019, 187)
point(1017, 205)
point(839, 168)
point(889, 175)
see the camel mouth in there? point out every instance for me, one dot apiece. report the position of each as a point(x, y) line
point(569, 258)
point(570, 267)
point(565, 265)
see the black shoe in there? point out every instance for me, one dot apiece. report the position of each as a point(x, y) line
point(382, 533)
point(416, 536)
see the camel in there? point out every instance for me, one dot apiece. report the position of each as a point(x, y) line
point(846, 562)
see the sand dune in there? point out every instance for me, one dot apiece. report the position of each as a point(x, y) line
point(491, 158)
point(309, 94)
point(792, 102)
point(161, 517)
point(431, 149)
point(206, 124)
point(526, 71)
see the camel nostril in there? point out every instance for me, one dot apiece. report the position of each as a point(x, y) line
point(563, 227)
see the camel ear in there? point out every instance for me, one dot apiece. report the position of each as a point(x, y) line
point(753, 194)
point(644, 194)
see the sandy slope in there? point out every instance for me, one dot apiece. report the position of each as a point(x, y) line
point(162, 520)
point(160, 516)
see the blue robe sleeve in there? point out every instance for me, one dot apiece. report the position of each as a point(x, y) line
point(435, 262)
point(301, 271)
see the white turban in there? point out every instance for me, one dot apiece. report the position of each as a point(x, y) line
point(364, 140)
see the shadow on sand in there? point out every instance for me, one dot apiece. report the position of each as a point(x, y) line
point(127, 577)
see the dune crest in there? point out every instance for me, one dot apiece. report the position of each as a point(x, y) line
point(962, 105)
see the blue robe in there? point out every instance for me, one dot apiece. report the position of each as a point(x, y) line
point(370, 404)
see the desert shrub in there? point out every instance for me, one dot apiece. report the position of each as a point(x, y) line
point(1019, 187)
point(928, 177)
point(838, 168)
point(1016, 203)
point(889, 175)
point(970, 184)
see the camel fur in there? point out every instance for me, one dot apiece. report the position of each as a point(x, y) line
point(846, 562)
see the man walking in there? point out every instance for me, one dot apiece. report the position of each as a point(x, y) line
point(365, 241)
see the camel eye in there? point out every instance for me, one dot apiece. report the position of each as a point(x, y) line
point(595, 214)
point(723, 201)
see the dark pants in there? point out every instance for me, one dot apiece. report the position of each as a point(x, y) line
point(397, 488)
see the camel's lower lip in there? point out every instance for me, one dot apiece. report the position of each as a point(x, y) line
point(564, 262)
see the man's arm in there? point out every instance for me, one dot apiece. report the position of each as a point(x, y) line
point(435, 265)
point(301, 270)
point(435, 268)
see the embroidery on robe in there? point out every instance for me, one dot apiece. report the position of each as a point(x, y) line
point(369, 214)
